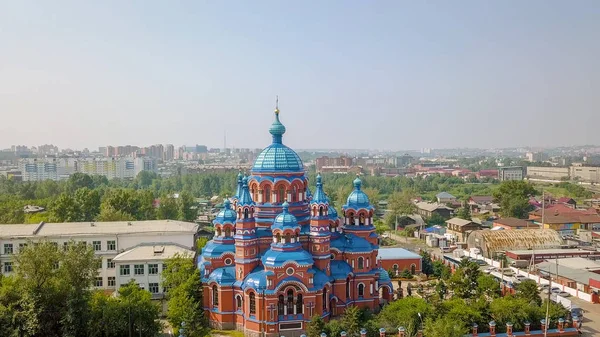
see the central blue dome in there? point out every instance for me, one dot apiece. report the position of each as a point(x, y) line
point(278, 158)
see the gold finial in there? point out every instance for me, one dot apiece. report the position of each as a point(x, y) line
point(277, 105)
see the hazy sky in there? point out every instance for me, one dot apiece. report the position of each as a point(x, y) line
point(349, 74)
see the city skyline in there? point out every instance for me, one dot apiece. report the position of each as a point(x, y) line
point(382, 75)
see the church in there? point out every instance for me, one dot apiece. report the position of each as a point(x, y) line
point(282, 254)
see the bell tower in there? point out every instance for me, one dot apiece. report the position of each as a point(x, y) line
point(246, 242)
point(320, 236)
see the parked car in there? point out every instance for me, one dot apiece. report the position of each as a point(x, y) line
point(506, 272)
point(489, 270)
point(521, 277)
point(555, 290)
point(564, 294)
point(543, 287)
point(448, 249)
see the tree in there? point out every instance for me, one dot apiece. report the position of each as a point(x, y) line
point(315, 327)
point(402, 203)
point(464, 280)
point(436, 219)
point(182, 278)
point(440, 270)
point(88, 202)
point(404, 312)
point(381, 227)
point(513, 197)
point(143, 313)
point(527, 289)
point(444, 327)
point(351, 320)
point(186, 209)
point(464, 213)
point(65, 209)
point(79, 180)
point(373, 195)
point(426, 263)
point(441, 289)
point(488, 286)
point(515, 310)
point(168, 208)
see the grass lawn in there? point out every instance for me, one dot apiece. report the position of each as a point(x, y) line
point(229, 333)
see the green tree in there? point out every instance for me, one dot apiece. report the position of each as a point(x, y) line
point(436, 219)
point(426, 263)
point(168, 208)
point(444, 327)
point(144, 313)
point(464, 213)
point(186, 209)
point(65, 209)
point(440, 270)
point(182, 278)
point(79, 180)
point(488, 286)
point(514, 310)
point(381, 227)
point(315, 327)
point(513, 197)
point(88, 202)
point(464, 280)
point(373, 195)
point(351, 320)
point(527, 289)
point(404, 312)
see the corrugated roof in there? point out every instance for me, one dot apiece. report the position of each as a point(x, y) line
point(431, 206)
point(515, 239)
point(459, 222)
point(96, 228)
point(578, 275)
point(514, 222)
point(445, 195)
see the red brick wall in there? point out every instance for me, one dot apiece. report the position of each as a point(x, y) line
point(402, 264)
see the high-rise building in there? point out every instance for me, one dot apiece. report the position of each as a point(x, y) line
point(511, 173)
point(169, 153)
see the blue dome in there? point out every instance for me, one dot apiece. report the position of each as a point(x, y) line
point(223, 276)
point(257, 279)
point(285, 219)
point(226, 215)
point(351, 243)
point(277, 129)
point(213, 249)
point(357, 198)
point(278, 158)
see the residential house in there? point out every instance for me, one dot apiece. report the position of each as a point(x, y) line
point(569, 202)
point(483, 204)
point(427, 209)
point(461, 228)
point(445, 197)
point(513, 223)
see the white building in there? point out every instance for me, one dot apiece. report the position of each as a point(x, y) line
point(129, 250)
point(122, 168)
point(37, 169)
point(144, 164)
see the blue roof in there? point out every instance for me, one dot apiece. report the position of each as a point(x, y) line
point(245, 198)
point(277, 129)
point(214, 249)
point(278, 158)
point(357, 198)
point(257, 279)
point(308, 193)
point(397, 253)
point(445, 195)
point(351, 243)
point(384, 276)
point(285, 219)
point(226, 215)
point(319, 197)
point(277, 258)
point(223, 276)
point(340, 269)
point(319, 278)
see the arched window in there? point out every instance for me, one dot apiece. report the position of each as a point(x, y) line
point(361, 262)
point(238, 302)
point(361, 219)
point(299, 304)
point(348, 287)
point(245, 213)
point(219, 231)
point(288, 238)
point(227, 231)
point(215, 296)
point(290, 301)
point(252, 304)
point(361, 290)
point(267, 194)
point(324, 299)
point(280, 305)
point(413, 268)
point(395, 267)
point(351, 216)
point(278, 238)
point(281, 197)
point(294, 194)
point(321, 211)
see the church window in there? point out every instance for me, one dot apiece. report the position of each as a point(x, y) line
point(361, 220)
point(278, 238)
point(219, 231)
point(227, 232)
point(294, 194)
point(321, 211)
point(268, 194)
point(215, 296)
point(281, 196)
point(238, 302)
point(288, 238)
point(290, 301)
point(289, 271)
point(348, 288)
point(228, 262)
point(246, 213)
point(361, 290)
point(252, 304)
point(299, 304)
point(361, 263)
point(280, 304)
point(351, 216)
point(324, 299)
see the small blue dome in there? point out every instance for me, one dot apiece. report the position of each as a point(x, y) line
point(214, 249)
point(226, 215)
point(357, 198)
point(278, 158)
point(223, 276)
point(285, 220)
point(277, 258)
point(277, 129)
point(352, 243)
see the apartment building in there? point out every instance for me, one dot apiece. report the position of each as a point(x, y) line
point(128, 249)
point(36, 169)
point(511, 173)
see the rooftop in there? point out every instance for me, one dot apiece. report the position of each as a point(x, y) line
point(578, 275)
point(459, 222)
point(431, 206)
point(579, 263)
point(153, 251)
point(482, 199)
point(396, 253)
point(550, 251)
point(445, 195)
point(95, 228)
point(514, 222)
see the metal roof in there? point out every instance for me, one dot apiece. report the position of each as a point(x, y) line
point(396, 253)
point(578, 275)
point(515, 239)
point(96, 228)
point(459, 222)
point(154, 251)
